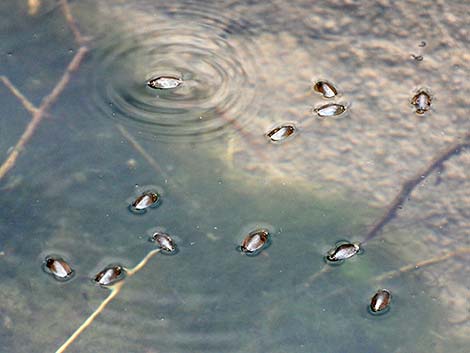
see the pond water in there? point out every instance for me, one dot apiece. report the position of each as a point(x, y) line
point(246, 67)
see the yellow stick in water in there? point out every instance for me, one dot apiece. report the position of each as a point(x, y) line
point(114, 292)
point(33, 7)
point(142, 263)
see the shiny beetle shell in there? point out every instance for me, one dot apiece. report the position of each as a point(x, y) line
point(165, 82)
point(255, 241)
point(421, 101)
point(164, 242)
point(380, 301)
point(58, 268)
point(110, 275)
point(281, 132)
point(343, 252)
point(330, 109)
point(147, 199)
point(325, 88)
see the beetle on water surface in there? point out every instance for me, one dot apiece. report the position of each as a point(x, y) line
point(110, 275)
point(256, 241)
point(343, 251)
point(380, 301)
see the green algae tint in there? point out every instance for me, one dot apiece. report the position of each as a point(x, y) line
point(200, 298)
point(206, 149)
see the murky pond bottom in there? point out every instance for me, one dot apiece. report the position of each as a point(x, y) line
point(116, 163)
point(210, 297)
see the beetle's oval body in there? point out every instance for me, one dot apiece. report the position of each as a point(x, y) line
point(281, 132)
point(58, 268)
point(330, 109)
point(421, 101)
point(343, 252)
point(165, 82)
point(380, 301)
point(255, 241)
point(110, 275)
point(325, 88)
point(164, 242)
point(146, 200)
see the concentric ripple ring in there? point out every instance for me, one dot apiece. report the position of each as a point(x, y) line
point(217, 67)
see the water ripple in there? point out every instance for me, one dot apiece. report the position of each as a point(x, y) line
point(213, 55)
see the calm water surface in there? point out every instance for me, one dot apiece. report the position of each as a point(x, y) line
point(246, 67)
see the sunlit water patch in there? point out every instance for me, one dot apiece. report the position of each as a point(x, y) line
point(214, 70)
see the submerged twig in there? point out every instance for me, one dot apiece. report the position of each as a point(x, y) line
point(133, 142)
point(420, 264)
point(79, 38)
point(394, 273)
point(409, 185)
point(150, 160)
point(316, 275)
point(115, 290)
point(234, 122)
point(244, 133)
point(25, 101)
point(33, 7)
point(40, 112)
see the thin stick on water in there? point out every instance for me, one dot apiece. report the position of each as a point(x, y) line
point(115, 290)
point(409, 185)
point(40, 112)
point(142, 263)
point(421, 264)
